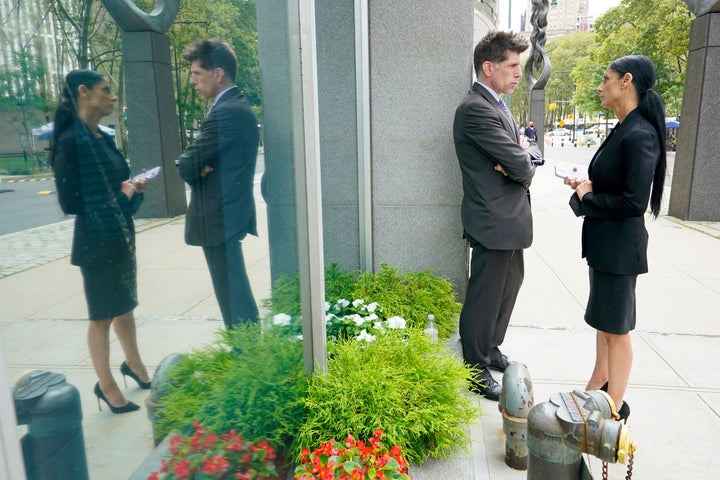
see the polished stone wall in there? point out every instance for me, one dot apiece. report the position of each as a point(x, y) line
point(696, 182)
point(420, 62)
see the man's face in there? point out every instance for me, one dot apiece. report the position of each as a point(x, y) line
point(503, 77)
point(206, 82)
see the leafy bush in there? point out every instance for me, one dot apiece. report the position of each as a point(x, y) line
point(412, 296)
point(250, 381)
point(411, 389)
point(285, 295)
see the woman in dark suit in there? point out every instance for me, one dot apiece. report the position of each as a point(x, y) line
point(627, 171)
point(93, 184)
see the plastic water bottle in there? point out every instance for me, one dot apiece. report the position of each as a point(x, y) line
point(431, 330)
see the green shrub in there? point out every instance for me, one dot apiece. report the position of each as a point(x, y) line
point(285, 295)
point(250, 381)
point(412, 296)
point(411, 389)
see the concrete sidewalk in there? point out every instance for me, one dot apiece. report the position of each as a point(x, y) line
point(674, 389)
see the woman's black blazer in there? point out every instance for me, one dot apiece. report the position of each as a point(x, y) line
point(614, 238)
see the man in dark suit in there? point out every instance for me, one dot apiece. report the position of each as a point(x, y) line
point(219, 166)
point(496, 216)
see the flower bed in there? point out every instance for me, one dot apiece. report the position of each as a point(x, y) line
point(384, 375)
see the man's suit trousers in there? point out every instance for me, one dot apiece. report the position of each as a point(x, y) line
point(495, 280)
point(231, 284)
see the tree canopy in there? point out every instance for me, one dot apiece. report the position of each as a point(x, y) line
point(658, 29)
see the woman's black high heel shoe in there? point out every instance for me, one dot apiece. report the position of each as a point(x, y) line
point(128, 407)
point(125, 370)
point(624, 411)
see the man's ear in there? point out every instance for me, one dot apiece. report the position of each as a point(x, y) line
point(487, 68)
point(219, 74)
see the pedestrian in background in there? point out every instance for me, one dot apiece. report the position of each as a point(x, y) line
point(496, 216)
point(626, 172)
point(219, 166)
point(92, 180)
point(531, 132)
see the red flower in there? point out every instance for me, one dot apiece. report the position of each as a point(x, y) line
point(329, 463)
point(216, 456)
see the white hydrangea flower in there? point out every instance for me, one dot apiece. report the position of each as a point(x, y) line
point(358, 319)
point(371, 308)
point(343, 302)
point(396, 322)
point(282, 319)
point(327, 306)
point(372, 317)
point(379, 326)
point(358, 302)
point(364, 336)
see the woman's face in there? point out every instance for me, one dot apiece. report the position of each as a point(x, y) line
point(611, 88)
point(100, 98)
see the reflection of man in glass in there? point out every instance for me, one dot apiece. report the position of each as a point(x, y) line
point(219, 166)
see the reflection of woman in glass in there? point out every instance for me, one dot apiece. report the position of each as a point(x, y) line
point(92, 183)
point(626, 173)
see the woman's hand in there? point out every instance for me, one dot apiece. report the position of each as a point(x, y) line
point(128, 188)
point(141, 185)
point(584, 187)
point(573, 182)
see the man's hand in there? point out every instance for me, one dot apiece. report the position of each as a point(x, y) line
point(205, 170)
point(524, 142)
point(499, 168)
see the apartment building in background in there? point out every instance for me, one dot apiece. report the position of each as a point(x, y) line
point(27, 29)
point(564, 17)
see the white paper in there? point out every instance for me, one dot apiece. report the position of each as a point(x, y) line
point(149, 175)
point(571, 170)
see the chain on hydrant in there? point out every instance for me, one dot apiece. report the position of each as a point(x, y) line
point(629, 469)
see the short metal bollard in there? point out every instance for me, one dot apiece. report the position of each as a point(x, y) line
point(158, 389)
point(53, 446)
point(570, 424)
point(516, 400)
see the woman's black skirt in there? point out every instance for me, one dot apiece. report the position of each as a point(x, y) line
point(611, 306)
point(110, 290)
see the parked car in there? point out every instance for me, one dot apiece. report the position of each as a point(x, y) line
point(560, 132)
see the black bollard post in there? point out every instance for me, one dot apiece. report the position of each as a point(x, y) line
point(53, 446)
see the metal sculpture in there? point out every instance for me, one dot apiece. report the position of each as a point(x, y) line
point(538, 56)
point(131, 19)
point(538, 60)
point(151, 114)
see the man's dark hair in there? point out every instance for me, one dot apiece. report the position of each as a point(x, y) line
point(213, 53)
point(495, 46)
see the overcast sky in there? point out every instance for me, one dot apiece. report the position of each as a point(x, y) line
point(595, 7)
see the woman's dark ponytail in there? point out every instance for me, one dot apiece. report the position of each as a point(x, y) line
point(66, 112)
point(651, 107)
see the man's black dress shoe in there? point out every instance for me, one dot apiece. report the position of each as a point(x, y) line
point(500, 364)
point(484, 384)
